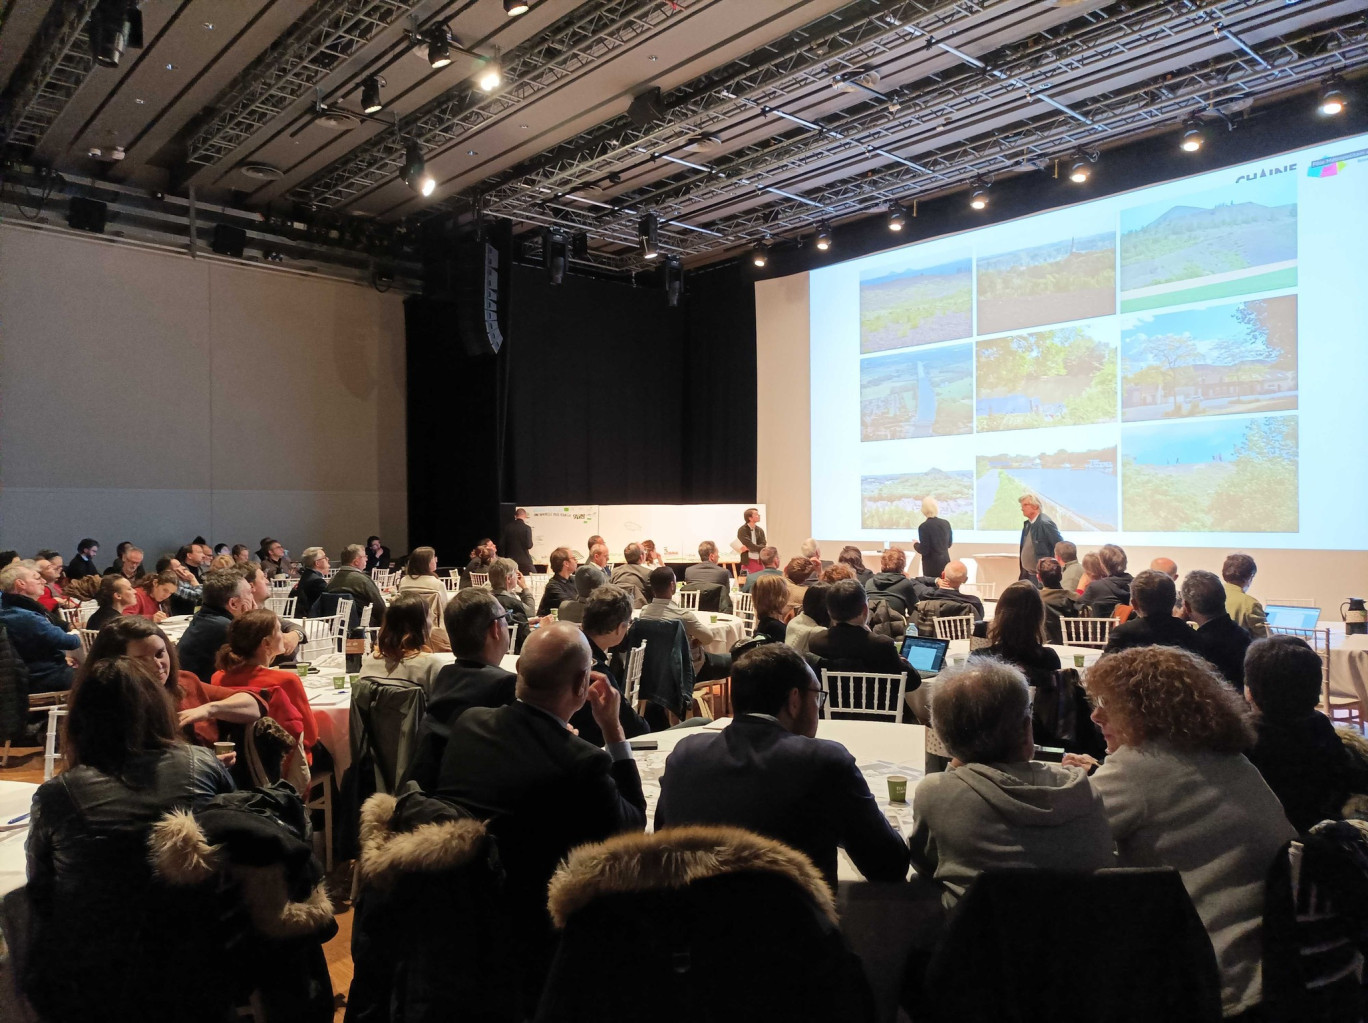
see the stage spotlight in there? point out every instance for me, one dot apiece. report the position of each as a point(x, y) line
point(648, 234)
point(1080, 171)
point(555, 254)
point(674, 280)
point(439, 46)
point(897, 217)
point(515, 7)
point(113, 26)
point(415, 171)
point(1193, 136)
point(760, 254)
point(490, 76)
point(1331, 100)
point(823, 236)
point(370, 94)
point(978, 198)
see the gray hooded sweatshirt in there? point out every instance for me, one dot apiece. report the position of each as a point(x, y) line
point(991, 816)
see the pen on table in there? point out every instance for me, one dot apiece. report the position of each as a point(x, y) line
point(16, 820)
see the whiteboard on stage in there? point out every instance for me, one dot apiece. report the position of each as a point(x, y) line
point(561, 526)
point(677, 529)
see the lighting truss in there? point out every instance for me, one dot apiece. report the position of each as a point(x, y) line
point(53, 68)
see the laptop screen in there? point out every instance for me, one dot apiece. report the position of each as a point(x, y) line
point(924, 653)
point(1285, 617)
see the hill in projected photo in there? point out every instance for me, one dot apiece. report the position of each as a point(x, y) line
point(917, 305)
point(1234, 358)
point(917, 394)
point(1228, 241)
point(1218, 476)
point(1060, 377)
point(1069, 279)
point(894, 502)
point(1078, 488)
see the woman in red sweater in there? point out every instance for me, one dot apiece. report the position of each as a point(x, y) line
point(253, 641)
point(149, 592)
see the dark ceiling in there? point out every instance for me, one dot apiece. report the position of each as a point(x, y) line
point(773, 115)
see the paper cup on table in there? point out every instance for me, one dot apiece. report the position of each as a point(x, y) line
point(1078, 660)
point(302, 668)
point(224, 748)
point(897, 788)
point(340, 682)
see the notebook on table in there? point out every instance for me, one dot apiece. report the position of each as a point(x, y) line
point(924, 653)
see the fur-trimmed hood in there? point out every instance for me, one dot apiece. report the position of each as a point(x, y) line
point(431, 848)
point(674, 858)
point(180, 854)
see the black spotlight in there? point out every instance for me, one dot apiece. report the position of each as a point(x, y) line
point(228, 240)
point(897, 218)
point(113, 26)
point(579, 245)
point(415, 170)
point(760, 254)
point(823, 236)
point(648, 234)
point(515, 7)
point(370, 94)
point(555, 254)
point(674, 280)
point(439, 46)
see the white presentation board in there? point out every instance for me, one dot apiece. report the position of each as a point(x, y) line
point(677, 529)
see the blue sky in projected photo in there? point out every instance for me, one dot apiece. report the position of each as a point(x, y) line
point(1278, 190)
point(1183, 443)
point(1208, 328)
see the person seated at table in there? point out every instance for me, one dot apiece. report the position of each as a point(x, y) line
point(797, 573)
point(94, 951)
point(402, 646)
point(850, 555)
point(587, 579)
point(377, 554)
point(37, 641)
point(891, 581)
point(420, 574)
point(129, 563)
point(352, 580)
point(1298, 751)
point(1180, 793)
point(83, 564)
point(835, 573)
point(506, 583)
point(1102, 595)
point(481, 557)
point(769, 565)
point(1091, 572)
point(149, 594)
point(947, 589)
point(243, 662)
point(771, 597)
point(291, 635)
point(633, 576)
point(227, 595)
point(1219, 639)
point(1017, 636)
point(767, 772)
point(995, 807)
point(812, 620)
point(313, 580)
point(708, 570)
point(849, 645)
point(1238, 571)
point(1066, 553)
point(560, 587)
point(1058, 600)
point(240, 553)
point(598, 557)
point(114, 595)
point(1152, 623)
point(271, 555)
point(477, 625)
point(607, 617)
point(650, 557)
point(49, 565)
point(707, 666)
point(221, 561)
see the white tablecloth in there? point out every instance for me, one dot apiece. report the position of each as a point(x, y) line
point(1349, 666)
point(15, 799)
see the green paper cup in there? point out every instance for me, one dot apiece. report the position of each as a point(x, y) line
point(302, 668)
point(340, 682)
point(1078, 660)
point(897, 788)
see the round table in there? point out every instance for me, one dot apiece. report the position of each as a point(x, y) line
point(16, 797)
point(1349, 668)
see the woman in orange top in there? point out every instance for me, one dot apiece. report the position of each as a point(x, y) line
point(254, 640)
point(149, 592)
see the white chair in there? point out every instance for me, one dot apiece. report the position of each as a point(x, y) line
point(512, 639)
point(1087, 631)
point(323, 636)
point(320, 798)
point(744, 608)
point(480, 579)
point(1347, 710)
point(38, 703)
point(364, 623)
point(985, 590)
point(536, 585)
point(73, 616)
point(87, 638)
point(283, 606)
point(281, 585)
point(636, 658)
point(955, 627)
point(688, 599)
point(50, 754)
point(452, 582)
point(88, 608)
point(864, 695)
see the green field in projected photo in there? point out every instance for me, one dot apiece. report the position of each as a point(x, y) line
point(916, 305)
point(1069, 279)
point(894, 502)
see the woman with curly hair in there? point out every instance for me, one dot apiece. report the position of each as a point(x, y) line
point(1179, 793)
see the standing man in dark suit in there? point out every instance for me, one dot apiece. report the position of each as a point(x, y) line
point(1039, 535)
point(753, 537)
point(516, 541)
point(1219, 640)
point(543, 789)
point(768, 773)
point(850, 644)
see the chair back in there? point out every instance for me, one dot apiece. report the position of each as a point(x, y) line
point(452, 582)
point(281, 585)
point(479, 579)
point(864, 695)
point(536, 585)
point(385, 714)
point(283, 606)
point(74, 616)
point(744, 608)
point(1159, 966)
point(984, 590)
point(636, 657)
point(1087, 631)
point(687, 599)
point(87, 639)
point(667, 674)
point(958, 627)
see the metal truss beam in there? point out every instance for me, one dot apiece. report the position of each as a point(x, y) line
point(54, 67)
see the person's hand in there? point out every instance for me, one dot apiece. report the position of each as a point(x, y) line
point(185, 574)
point(289, 642)
point(227, 759)
point(159, 616)
point(546, 620)
point(1078, 760)
point(604, 703)
point(193, 714)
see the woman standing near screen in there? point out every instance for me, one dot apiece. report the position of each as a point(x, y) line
point(934, 537)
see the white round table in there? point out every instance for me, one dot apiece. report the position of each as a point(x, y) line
point(16, 797)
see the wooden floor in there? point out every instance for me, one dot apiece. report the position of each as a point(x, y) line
point(26, 764)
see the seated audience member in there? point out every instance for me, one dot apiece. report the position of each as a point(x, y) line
point(1058, 600)
point(194, 558)
point(956, 574)
point(273, 559)
point(607, 617)
point(852, 557)
point(200, 709)
point(506, 583)
point(477, 625)
point(1179, 793)
point(1070, 570)
point(49, 567)
point(995, 807)
point(313, 579)
point(1219, 639)
point(352, 580)
point(809, 549)
point(593, 542)
point(1152, 623)
point(890, 581)
point(1238, 572)
point(482, 556)
point(634, 576)
point(116, 567)
point(706, 666)
point(94, 953)
point(220, 562)
point(708, 570)
point(1092, 571)
point(420, 575)
point(797, 573)
point(835, 573)
point(598, 557)
point(1102, 595)
point(240, 553)
point(130, 563)
point(115, 595)
point(83, 564)
point(243, 663)
point(771, 597)
point(560, 587)
point(149, 594)
point(1298, 751)
point(587, 579)
point(220, 549)
point(767, 772)
point(1017, 633)
point(37, 641)
point(811, 621)
point(543, 789)
point(1165, 566)
point(377, 554)
point(650, 557)
point(849, 644)
point(769, 565)
point(402, 646)
point(227, 595)
point(290, 634)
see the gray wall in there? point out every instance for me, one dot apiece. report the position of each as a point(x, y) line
point(150, 397)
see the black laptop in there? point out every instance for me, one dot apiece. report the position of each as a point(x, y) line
point(925, 654)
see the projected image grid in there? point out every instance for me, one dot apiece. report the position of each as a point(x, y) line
point(1162, 336)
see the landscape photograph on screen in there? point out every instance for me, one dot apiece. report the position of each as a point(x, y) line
point(1077, 488)
point(1065, 376)
point(917, 305)
point(894, 501)
point(921, 393)
point(1068, 279)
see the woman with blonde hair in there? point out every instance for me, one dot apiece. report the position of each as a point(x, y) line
point(771, 596)
point(1179, 793)
point(403, 646)
point(934, 537)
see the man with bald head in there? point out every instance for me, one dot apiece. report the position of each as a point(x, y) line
point(542, 788)
point(1167, 566)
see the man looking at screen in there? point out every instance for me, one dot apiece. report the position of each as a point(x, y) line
point(1237, 572)
point(1039, 535)
point(1070, 570)
point(769, 559)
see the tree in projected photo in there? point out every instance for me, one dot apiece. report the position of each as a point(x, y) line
point(1059, 377)
point(894, 502)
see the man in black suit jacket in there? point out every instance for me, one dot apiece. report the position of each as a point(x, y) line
point(708, 570)
point(1039, 535)
point(607, 617)
point(1219, 639)
point(543, 789)
point(516, 542)
point(227, 595)
point(768, 773)
point(1153, 624)
point(560, 587)
point(849, 644)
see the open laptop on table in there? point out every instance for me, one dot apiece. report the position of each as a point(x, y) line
point(1283, 616)
point(925, 654)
